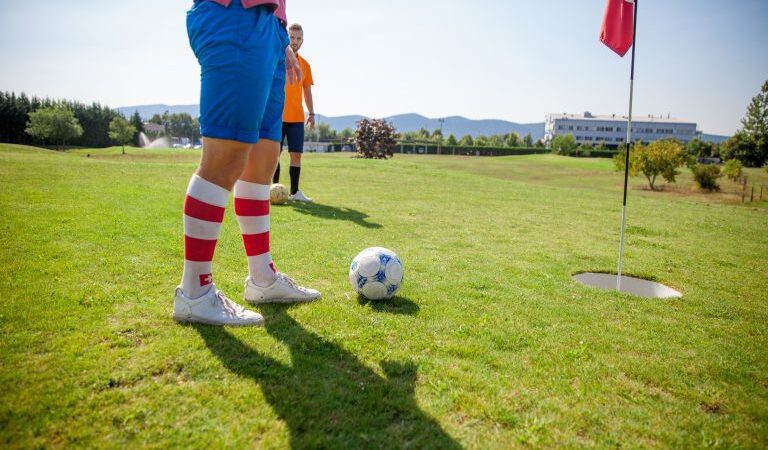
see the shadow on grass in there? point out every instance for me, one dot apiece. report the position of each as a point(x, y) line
point(326, 396)
point(394, 305)
point(332, 212)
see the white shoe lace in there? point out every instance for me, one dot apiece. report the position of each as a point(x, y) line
point(226, 304)
point(290, 282)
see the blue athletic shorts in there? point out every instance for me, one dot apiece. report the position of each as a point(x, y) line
point(294, 133)
point(241, 52)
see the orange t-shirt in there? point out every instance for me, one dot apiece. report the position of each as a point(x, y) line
point(294, 94)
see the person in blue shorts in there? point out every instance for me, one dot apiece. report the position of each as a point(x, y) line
point(244, 54)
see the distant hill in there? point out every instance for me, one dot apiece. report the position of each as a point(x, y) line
point(147, 111)
point(456, 125)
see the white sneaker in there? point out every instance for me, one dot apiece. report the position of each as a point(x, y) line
point(213, 308)
point(300, 197)
point(283, 290)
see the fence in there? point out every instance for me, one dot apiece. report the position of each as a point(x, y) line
point(753, 193)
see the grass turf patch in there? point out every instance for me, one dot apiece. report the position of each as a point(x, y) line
point(490, 344)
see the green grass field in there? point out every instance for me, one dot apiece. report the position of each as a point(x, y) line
point(490, 344)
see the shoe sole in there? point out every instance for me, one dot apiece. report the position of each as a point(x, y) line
point(210, 322)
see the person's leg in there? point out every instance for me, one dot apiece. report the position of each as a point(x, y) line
point(236, 81)
point(207, 196)
point(295, 171)
point(252, 210)
point(295, 134)
point(276, 178)
point(264, 284)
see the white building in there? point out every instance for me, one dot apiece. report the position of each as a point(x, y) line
point(612, 130)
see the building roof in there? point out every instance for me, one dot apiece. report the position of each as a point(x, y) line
point(618, 118)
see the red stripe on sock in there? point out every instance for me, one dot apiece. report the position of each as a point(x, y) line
point(200, 250)
point(250, 207)
point(203, 211)
point(256, 244)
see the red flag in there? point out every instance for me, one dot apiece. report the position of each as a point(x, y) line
point(618, 24)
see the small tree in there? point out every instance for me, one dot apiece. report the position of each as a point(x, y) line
point(732, 169)
point(528, 141)
point(706, 175)
point(375, 138)
point(512, 140)
point(56, 124)
point(563, 144)
point(451, 140)
point(121, 131)
point(467, 141)
point(659, 158)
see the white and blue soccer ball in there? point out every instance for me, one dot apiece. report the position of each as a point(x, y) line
point(376, 273)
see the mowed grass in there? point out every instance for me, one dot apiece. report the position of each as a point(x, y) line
point(490, 343)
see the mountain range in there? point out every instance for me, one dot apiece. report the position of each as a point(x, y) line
point(456, 125)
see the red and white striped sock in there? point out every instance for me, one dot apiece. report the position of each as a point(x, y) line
point(252, 210)
point(203, 214)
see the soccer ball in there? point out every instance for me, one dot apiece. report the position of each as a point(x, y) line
point(376, 273)
point(278, 194)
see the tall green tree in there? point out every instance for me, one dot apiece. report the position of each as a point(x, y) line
point(56, 124)
point(467, 141)
point(451, 140)
point(138, 125)
point(121, 131)
point(755, 126)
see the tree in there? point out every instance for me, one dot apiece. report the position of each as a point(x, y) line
point(512, 140)
point(346, 134)
point(138, 125)
point(732, 169)
point(437, 136)
point(466, 141)
point(742, 146)
point(325, 133)
point(451, 140)
point(57, 124)
point(563, 144)
point(481, 141)
point(375, 138)
point(755, 125)
point(528, 141)
point(121, 131)
point(662, 157)
point(700, 149)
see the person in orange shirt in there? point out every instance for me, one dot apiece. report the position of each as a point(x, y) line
point(293, 115)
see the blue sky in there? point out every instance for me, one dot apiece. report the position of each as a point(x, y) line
point(515, 60)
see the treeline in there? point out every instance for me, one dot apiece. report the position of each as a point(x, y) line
point(324, 133)
point(93, 118)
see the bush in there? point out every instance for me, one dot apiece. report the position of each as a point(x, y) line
point(658, 158)
point(374, 138)
point(706, 175)
point(732, 169)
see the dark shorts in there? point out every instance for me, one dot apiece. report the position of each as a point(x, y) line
point(294, 133)
point(242, 70)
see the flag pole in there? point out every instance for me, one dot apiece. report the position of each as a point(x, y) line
point(629, 143)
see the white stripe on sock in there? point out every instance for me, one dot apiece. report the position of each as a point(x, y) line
point(253, 224)
point(252, 191)
point(207, 192)
point(201, 229)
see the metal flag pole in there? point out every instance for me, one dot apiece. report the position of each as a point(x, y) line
point(629, 143)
